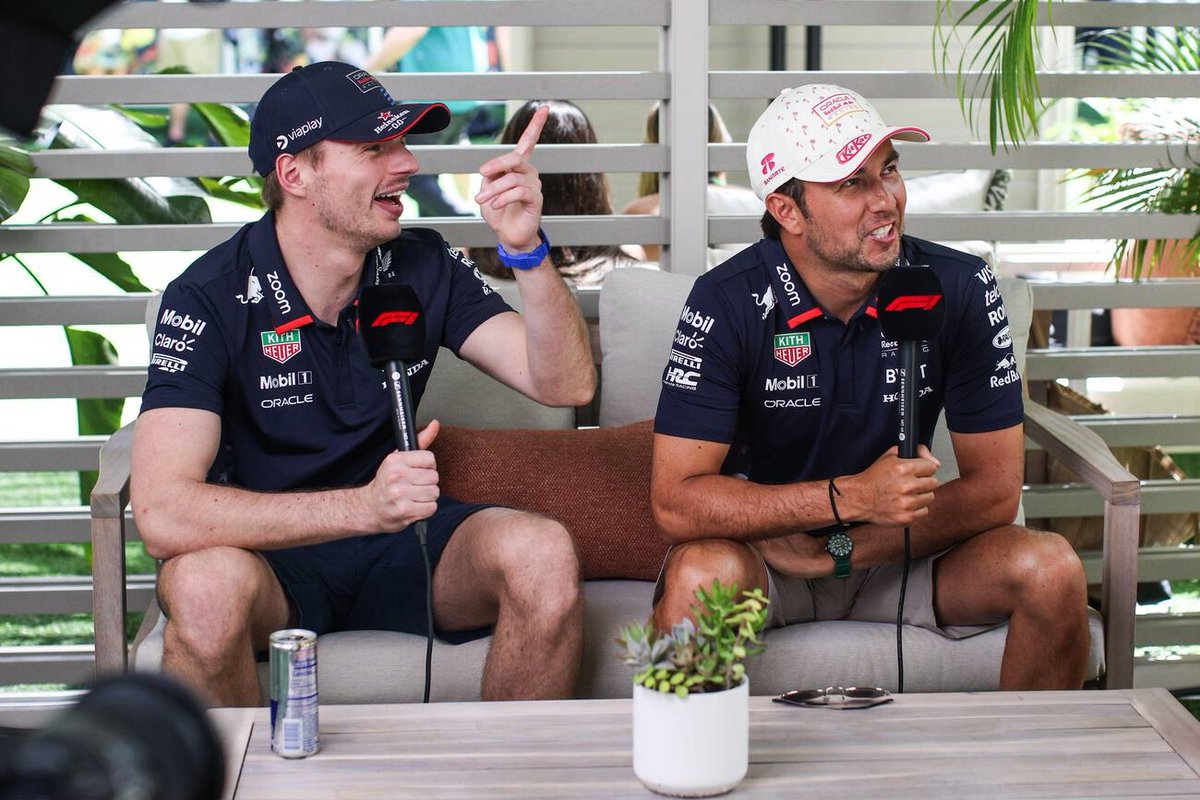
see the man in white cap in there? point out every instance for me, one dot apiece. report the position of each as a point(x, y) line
point(775, 463)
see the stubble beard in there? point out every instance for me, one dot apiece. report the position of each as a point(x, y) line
point(338, 220)
point(852, 259)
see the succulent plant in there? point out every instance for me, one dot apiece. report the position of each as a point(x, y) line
point(702, 656)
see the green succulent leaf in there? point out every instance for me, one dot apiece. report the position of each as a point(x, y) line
point(706, 654)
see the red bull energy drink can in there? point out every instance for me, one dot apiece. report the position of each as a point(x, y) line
point(293, 666)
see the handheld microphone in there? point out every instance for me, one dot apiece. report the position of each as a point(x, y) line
point(911, 308)
point(392, 325)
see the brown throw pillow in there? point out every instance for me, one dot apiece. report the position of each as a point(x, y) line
point(596, 482)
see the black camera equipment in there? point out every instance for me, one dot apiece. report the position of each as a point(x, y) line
point(134, 737)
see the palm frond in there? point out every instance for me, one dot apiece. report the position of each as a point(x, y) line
point(1002, 48)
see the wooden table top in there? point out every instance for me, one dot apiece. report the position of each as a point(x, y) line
point(1129, 744)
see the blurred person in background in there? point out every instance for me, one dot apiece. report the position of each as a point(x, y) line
point(567, 194)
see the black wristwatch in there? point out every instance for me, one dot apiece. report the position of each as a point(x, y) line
point(840, 546)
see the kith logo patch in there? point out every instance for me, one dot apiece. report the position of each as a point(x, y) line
point(280, 346)
point(792, 348)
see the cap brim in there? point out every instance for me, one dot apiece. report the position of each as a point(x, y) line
point(829, 170)
point(403, 118)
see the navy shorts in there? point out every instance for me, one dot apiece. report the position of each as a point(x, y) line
point(374, 582)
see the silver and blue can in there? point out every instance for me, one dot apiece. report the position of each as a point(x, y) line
point(293, 662)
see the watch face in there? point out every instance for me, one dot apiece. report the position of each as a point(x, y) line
point(839, 545)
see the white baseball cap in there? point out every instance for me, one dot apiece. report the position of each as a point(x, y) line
point(817, 132)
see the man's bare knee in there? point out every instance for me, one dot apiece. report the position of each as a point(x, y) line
point(1047, 570)
point(698, 563)
point(209, 597)
point(539, 565)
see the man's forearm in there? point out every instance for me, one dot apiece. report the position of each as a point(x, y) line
point(960, 510)
point(723, 507)
point(556, 339)
point(202, 515)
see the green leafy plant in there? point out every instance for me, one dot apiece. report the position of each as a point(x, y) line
point(129, 201)
point(705, 656)
point(1002, 47)
point(1171, 189)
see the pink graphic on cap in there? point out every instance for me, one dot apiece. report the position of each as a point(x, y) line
point(852, 148)
point(768, 163)
point(836, 106)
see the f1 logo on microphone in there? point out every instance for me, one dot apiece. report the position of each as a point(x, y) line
point(907, 302)
point(395, 318)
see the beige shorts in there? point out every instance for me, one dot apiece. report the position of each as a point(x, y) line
point(867, 595)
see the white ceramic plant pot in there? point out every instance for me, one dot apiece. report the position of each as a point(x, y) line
point(695, 746)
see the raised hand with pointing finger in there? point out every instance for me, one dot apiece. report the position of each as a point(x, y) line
point(510, 197)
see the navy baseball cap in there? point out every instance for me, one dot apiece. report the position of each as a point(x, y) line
point(337, 101)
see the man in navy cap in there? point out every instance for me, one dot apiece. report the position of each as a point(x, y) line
point(265, 473)
point(775, 463)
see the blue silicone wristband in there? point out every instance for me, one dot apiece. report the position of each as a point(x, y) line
point(525, 260)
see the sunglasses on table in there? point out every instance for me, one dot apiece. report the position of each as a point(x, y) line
point(838, 697)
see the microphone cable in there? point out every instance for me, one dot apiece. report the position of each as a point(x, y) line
point(900, 613)
point(422, 540)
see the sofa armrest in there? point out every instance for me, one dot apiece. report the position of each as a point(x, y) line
point(110, 498)
point(1086, 454)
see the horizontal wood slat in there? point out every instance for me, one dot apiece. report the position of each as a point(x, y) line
point(446, 12)
point(1128, 362)
point(65, 595)
point(85, 381)
point(921, 12)
point(53, 524)
point(47, 664)
point(159, 89)
point(208, 161)
point(1070, 500)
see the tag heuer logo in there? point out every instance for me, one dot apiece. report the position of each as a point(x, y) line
point(792, 348)
point(280, 346)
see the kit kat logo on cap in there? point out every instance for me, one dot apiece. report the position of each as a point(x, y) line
point(364, 80)
point(852, 148)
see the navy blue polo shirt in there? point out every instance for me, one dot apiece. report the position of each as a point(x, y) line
point(757, 364)
point(300, 404)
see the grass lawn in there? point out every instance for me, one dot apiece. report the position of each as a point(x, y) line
point(65, 558)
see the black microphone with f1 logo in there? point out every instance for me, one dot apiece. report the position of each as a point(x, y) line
point(393, 330)
point(392, 326)
point(911, 309)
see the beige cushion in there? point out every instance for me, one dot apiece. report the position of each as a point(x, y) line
point(638, 313)
point(459, 394)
